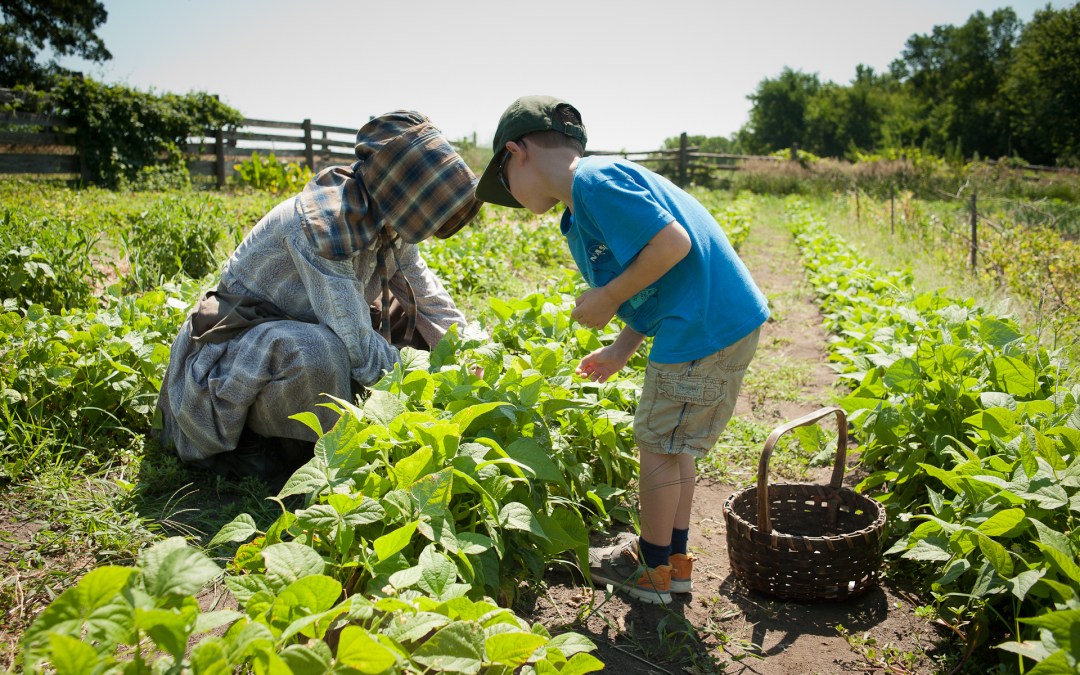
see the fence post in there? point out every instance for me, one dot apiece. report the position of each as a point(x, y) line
point(684, 159)
point(219, 151)
point(892, 209)
point(858, 210)
point(309, 149)
point(974, 234)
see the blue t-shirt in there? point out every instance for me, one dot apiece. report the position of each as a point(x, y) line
point(706, 302)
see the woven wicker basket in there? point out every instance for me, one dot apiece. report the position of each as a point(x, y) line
point(827, 541)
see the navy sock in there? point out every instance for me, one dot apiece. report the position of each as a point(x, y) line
point(679, 539)
point(653, 555)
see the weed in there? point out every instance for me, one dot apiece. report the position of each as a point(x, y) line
point(885, 657)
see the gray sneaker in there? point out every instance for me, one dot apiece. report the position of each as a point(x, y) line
point(620, 566)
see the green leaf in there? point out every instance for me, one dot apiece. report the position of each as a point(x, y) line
point(953, 571)
point(465, 417)
point(382, 407)
point(1002, 522)
point(1055, 664)
point(358, 649)
point(904, 375)
point(458, 647)
point(322, 518)
point(312, 594)
point(167, 628)
point(1062, 562)
point(71, 656)
point(408, 469)
point(997, 555)
point(313, 658)
point(582, 663)
point(310, 420)
point(247, 585)
point(288, 561)
point(406, 628)
point(392, 542)
point(434, 489)
point(1013, 376)
point(473, 543)
point(438, 572)
point(528, 452)
point(239, 528)
point(311, 478)
point(173, 567)
point(517, 516)
point(1032, 649)
point(512, 649)
point(1051, 537)
point(1063, 624)
point(997, 333)
point(407, 577)
point(930, 549)
point(998, 421)
point(208, 657)
point(94, 609)
point(949, 478)
point(1022, 583)
point(571, 643)
point(208, 621)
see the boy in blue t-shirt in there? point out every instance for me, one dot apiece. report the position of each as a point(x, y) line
point(658, 259)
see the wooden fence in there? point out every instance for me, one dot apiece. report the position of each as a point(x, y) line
point(42, 145)
point(683, 160)
point(38, 145)
point(316, 146)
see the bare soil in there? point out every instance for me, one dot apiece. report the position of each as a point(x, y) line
point(722, 626)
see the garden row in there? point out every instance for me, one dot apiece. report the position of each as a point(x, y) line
point(970, 433)
point(435, 495)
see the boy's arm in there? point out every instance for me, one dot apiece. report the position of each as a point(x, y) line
point(596, 306)
point(601, 364)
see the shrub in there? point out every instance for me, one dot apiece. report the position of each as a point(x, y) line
point(129, 138)
point(270, 175)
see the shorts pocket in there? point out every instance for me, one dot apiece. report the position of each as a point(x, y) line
point(680, 412)
point(692, 388)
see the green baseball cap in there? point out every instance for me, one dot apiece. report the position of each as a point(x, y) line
point(524, 116)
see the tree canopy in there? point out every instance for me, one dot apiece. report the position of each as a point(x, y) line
point(29, 27)
point(992, 87)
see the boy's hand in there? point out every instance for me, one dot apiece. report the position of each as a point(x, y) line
point(594, 308)
point(602, 364)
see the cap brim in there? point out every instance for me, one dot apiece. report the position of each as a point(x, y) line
point(490, 189)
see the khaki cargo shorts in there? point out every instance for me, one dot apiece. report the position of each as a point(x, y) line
point(684, 407)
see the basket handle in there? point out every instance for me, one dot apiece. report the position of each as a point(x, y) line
point(764, 523)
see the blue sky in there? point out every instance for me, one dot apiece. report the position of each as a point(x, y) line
point(638, 71)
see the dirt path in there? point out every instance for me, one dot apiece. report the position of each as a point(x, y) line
point(723, 626)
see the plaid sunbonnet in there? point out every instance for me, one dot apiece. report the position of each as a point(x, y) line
point(408, 183)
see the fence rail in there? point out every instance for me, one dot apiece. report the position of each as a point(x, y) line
point(42, 144)
point(45, 145)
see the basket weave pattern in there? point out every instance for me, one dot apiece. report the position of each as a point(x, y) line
point(805, 542)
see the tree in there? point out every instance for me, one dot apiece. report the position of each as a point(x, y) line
point(778, 115)
point(66, 27)
point(1043, 88)
point(839, 118)
point(956, 74)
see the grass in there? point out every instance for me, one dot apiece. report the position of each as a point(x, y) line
point(916, 238)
